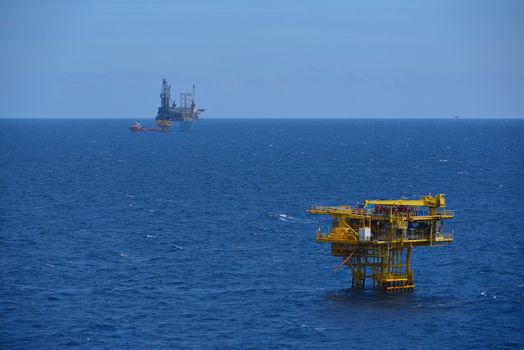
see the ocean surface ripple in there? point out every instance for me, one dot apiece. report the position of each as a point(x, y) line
point(119, 240)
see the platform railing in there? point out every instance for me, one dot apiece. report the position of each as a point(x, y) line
point(396, 238)
point(413, 214)
point(348, 210)
point(322, 236)
point(444, 236)
point(340, 210)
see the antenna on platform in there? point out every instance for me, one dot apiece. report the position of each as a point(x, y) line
point(193, 95)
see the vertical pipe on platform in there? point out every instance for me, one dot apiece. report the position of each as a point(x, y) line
point(431, 233)
point(409, 273)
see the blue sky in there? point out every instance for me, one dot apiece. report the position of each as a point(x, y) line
point(386, 59)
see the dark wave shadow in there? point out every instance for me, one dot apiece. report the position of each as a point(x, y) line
point(376, 299)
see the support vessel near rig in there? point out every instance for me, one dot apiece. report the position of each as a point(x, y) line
point(377, 240)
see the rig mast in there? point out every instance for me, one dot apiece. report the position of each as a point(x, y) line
point(377, 240)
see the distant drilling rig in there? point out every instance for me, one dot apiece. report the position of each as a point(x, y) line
point(169, 112)
point(377, 240)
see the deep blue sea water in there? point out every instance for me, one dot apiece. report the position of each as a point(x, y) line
point(117, 240)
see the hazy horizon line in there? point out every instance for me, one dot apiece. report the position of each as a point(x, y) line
point(275, 118)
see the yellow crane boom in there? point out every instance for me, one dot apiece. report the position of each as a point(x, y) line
point(439, 201)
point(433, 203)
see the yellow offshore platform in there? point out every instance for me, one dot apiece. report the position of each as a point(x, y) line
point(377, 239)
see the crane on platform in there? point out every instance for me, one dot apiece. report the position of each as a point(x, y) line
point(439, 201)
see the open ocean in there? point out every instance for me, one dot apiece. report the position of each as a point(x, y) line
point(117, 240)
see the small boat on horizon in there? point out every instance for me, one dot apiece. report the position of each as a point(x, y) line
point(138, 127)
